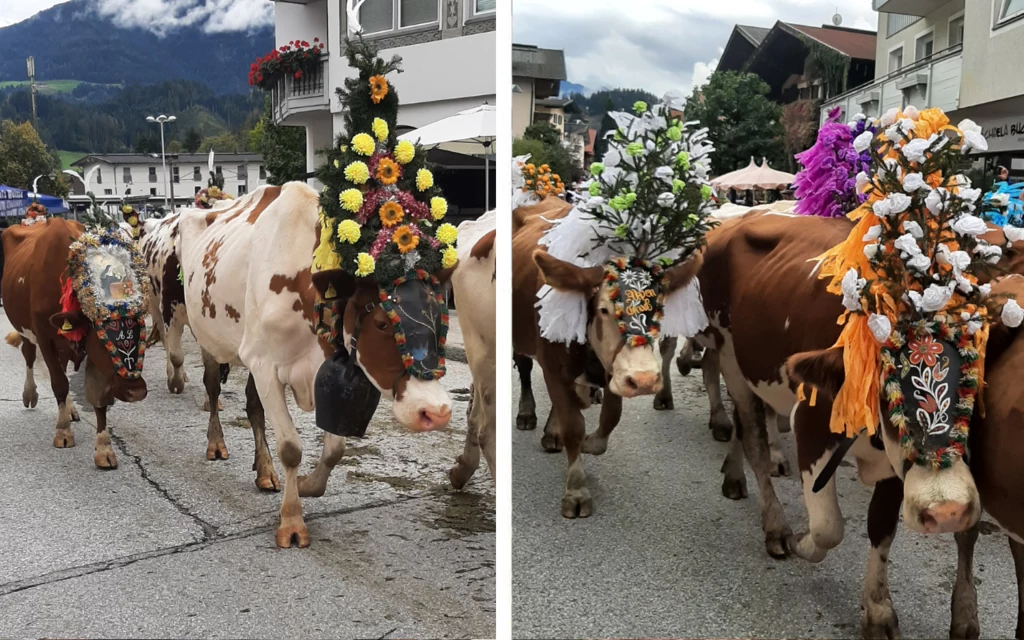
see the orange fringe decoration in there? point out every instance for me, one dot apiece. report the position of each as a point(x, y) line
point(68, 304)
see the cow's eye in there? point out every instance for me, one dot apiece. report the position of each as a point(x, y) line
point(381, 325)
point(604, 311)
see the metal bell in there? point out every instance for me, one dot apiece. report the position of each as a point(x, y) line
point(345, 398)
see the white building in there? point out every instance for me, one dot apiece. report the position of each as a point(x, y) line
point(964, 56)
point(113, 177)
point(448, 61)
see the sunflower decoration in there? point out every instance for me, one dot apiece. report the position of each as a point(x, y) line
point(912, 275)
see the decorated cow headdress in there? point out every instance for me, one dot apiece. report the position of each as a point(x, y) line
point(131, 216)
point(647, 207)
point(35, 212)
point(826, 186)
point(213, 193)
point(917, 316)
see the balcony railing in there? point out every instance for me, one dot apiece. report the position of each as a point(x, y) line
point(933, 81)
point(290, 96)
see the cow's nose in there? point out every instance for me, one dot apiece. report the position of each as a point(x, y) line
point(639, 384)
point(435, 418)
point(945, 517)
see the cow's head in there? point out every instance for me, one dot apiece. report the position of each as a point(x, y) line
point(937, 498)
point(635, 365)
point(397, 333)
point(103, 317)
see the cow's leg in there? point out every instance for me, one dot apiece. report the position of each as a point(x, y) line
point(814, 446)
point(487, 436)
point(315, 484)
point(216, 449)
point(596, 443)
point(734, 484)
point(964, 604)
point(1017, 551)
point(684, 361)
point(289, 451)
point(753, 435)
point(780, 465)
point(175, 354)
point(467, 463)
point(710, 370)
point(64, 437)
point(103, 456)
point(527, 418)
point(552, 438)
point(29, 396)
point(663, 400)
point(566, 413)
point(263, 463)
point(878, 617)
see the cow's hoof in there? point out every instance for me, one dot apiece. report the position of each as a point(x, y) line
point(310, 487)
point(268, 483)
point(594, 446)
point(292, 530)
point(664, 403)
point(734, 489)
point(683, 367)
point(597, 396)
point(577, 504)
point(64, 439)
point(551, 443)
point(206, 404)
point(30, 399)
point(879, 620)
point(459, 475)
point(105, 458)
point(721, 433)
point(184, 375)
point(217, 450)
point(526, 422)
point(176, 385)
point(780, 467)
point(775, 543)
point(74, 414)
point(966, 630)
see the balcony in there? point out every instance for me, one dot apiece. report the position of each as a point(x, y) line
point(908, 7)
point(290, 96)
point(930, 82)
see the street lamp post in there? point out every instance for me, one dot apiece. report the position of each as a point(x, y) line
point(161, 119)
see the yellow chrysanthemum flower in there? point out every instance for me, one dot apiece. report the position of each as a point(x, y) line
point(449, 257)
point(349, 231)
point(365, 264)
point(324, 257)
point(438, 207)
point(363, 144)
point(357, 172)
point(424, 179)
point(351, 199)
point(380, 129)
point(405, 151)
point(126, 209)
point(337, 165)
point(447, 234)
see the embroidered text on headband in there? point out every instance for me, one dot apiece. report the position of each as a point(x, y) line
point(635, 285)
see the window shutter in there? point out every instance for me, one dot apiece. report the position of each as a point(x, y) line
point(377, 15)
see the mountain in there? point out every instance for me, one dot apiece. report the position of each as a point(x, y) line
point(71, 41)
point(567, 88)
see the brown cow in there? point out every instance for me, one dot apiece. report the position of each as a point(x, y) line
point(36, 257)
point(622, 370)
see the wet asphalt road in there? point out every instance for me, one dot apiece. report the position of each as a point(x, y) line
point(172, 545)
point(666, 555)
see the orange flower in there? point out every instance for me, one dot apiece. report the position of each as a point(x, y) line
point(378, 88)
point(405, 239)
point(930, 121)
point(387, 171)
point(391, 213)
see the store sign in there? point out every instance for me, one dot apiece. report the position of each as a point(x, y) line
point(1004, 134)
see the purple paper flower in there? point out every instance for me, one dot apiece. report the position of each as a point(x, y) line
point(826, 185)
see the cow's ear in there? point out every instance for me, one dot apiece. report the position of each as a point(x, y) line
point(344, 283)
point(680, 275)
point(444, 275)
point(483, 246)
point(566, 276)
point(75, 319)
point(821, 369)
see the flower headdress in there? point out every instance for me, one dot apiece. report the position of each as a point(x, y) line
point(131, 216)
point(909, 277)
point(35, 212)
point(649, 202)
point(826, 186)
point(213, 193)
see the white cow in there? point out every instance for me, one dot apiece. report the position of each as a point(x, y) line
point(260, 313)
point(474, 285)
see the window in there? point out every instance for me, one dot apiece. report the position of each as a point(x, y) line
point(197, 175)
point(377, 16)
point(924, 46)
point(127, 192)
point(241, 190)
point(243, 172)
point(99, 176)
point(1011, 9)
point(152, 191)
point(956, 31)
point(174, 175)
point(381, 16)
point(197, 190)
point(219, 170)
point(263, 172)
point(108, 192)
point(896, 59)
point(483, 6)
point(127, 175)
point(414, 13)
point(152, 174)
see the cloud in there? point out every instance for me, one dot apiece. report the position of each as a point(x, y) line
point(703, 70)
point(164, 16)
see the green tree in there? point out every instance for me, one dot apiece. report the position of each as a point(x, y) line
point(23, 157)
point(193, 140)
point(224, 143)
point(543, 131)
point(555, 156)
point(283, 148)
point(174, 147)
point(741, 120)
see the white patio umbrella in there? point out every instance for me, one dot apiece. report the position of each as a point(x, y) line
point(729, 180)
point(476, 125)
point(764, 177)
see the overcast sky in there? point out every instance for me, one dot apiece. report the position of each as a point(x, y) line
point(659, 45)
point(160, 16)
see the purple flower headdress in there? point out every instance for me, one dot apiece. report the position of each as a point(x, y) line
point(827, 184)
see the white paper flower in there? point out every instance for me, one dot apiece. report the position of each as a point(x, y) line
point(1013, 234)
point(962, 181)
point(880, 327)
point(871, 250)
point(959, 260)
point(665, 174)
point(874, 232)
point(914, 229)
point(889, 117)
point(851, 290)
point(1012, 314)
point(919, 263)
point(594, 202)
point(935, 297)
point(970, 195)
point(985, 289)
point(863, 141)
point(968, 225)
point(667, 199)
point(934, 200)
point(891, 168)
point(908, 245)
point(913, 182)
point(915, 149)
point(912, 112)
point(612, 158)
point(882, 208)
point(968, 125)
point(893, 134)
point(900, 202)
point(989, 252)
point(862, 181)
point(974, 140)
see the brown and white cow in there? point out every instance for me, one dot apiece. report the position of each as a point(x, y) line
point(36, 258)
point(623, 371)
point(250, 300)
point(474, 284)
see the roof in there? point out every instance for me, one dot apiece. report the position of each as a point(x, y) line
point(591, 138)
point(852, 42)
point(746, 42)
point(534, 62)
point(181, 158)
point(554, 103)
point(753, 34)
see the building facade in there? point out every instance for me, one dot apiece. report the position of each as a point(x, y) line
point(537, 76)
point(963, 56)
